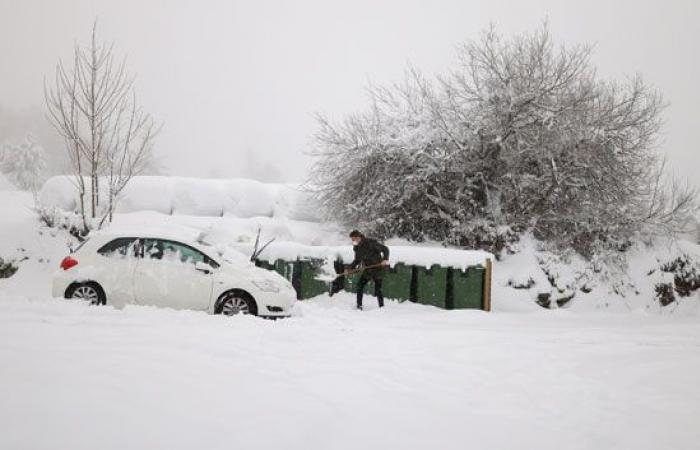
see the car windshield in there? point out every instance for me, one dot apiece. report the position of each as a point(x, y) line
point(120, 247)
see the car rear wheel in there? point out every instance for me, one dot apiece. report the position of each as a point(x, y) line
point(89, 292)
point(234, 303)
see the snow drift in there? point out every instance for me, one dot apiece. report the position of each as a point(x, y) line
point(236, 197)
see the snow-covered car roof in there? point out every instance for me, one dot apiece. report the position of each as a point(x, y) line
point(183, 234)
point(178, 233)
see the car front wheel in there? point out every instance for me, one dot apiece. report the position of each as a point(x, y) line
point(89, 292)
point(235, 303)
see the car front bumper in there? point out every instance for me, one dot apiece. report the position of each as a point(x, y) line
point(275, 304)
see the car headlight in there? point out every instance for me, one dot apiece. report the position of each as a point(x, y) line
point(266, 285)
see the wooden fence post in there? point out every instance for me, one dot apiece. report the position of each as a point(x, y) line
point(486, 293)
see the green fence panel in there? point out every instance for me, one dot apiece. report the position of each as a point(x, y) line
point(468, 287)
point(284, 268)
point(432, 286)
point(397, 282)
point(310, 285)
point(351, 282)
point(465, 290)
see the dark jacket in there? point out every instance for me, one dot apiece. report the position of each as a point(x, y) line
point(369, 252)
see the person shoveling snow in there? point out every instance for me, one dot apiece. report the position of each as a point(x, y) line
point(371, 257)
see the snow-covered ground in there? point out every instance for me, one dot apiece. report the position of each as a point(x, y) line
point(408, 376)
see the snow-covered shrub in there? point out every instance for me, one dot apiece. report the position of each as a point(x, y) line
point(521, 135)
point(54, 217)
point(527, 284)
point(7, 268)
point(23, 164)
point(567, 273)
point(685, 273)
point(664, 292)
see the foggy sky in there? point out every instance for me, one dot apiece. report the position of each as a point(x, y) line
point(235, 83)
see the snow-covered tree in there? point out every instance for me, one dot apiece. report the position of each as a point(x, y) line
point(23, 164)
point(522, 134)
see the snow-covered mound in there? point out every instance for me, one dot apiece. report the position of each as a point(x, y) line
point(621, 282)
point(236, 197)
point(35, 250)
point(241, 230)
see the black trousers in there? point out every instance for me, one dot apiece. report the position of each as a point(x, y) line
point(365, 278)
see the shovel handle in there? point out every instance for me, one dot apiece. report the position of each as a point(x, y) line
point(360, 269)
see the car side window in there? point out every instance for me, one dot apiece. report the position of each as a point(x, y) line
point(153, 249)
point(120, 247)
point(174, 251)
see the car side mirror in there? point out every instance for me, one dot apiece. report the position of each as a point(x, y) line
point(203, 267)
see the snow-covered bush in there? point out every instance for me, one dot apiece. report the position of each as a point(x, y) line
point(648, 276)
point(664, 292)
point(23, 164)
point(7, 268)
point(54, 217)
point(522, 134)
point(685, 273)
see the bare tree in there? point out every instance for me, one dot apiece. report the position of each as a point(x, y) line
point(109, 139)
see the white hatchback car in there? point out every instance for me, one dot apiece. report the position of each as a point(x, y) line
point(118, 269)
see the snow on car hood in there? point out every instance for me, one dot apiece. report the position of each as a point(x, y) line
point(236, 263)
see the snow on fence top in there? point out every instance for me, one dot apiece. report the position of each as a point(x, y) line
point(409, 255)
point(237, 197)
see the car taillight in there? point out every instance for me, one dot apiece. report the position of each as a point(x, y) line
point(68, 262)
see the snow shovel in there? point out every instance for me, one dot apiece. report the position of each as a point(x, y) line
point(338, 284)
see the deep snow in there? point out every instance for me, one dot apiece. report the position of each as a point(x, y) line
point(408, 376)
